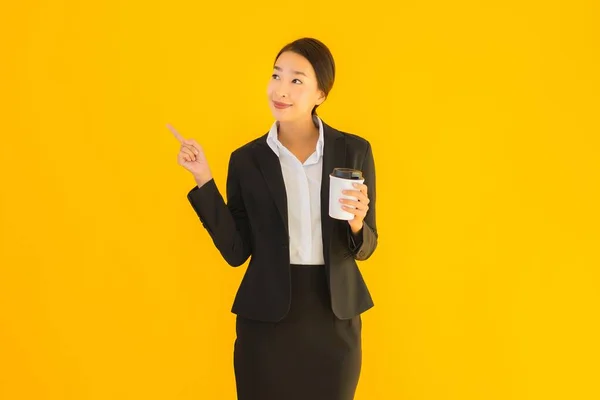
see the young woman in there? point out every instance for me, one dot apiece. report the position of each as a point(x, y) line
point(298, 307)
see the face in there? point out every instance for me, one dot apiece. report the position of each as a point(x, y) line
point(293, 90)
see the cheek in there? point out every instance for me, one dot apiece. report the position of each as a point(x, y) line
point(305, 99)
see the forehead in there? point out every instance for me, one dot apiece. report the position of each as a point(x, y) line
point(293, 62)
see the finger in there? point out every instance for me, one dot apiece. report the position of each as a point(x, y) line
point(358, 194)
point(362, 187)
point(192, 144)
point(195, 144)
point(350, 202)
point(185, 157)
point(193, 141)
point(189, 152)
point(358, 204)
point(356, 211)
point(190, 147)
point(176, 134)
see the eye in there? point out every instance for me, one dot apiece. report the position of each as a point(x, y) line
point(297, 80)
point(275, 76)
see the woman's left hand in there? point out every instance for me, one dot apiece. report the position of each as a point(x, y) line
point(357, 207)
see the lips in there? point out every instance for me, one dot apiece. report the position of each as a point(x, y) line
point(281, 105)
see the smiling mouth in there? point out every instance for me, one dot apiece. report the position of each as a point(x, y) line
point(281, 105)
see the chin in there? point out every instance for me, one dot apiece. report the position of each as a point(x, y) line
point(282, 115)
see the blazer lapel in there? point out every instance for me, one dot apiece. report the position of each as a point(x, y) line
point(270, 167)
point(334, 155)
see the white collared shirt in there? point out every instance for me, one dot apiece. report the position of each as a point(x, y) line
point(303, 189)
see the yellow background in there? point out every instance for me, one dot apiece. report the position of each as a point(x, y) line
point(483, 116)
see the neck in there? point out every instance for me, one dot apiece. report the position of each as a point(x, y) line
point(298, 133)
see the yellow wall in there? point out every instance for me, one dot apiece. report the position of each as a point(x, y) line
point(483, 118)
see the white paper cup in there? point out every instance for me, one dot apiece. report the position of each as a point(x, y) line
point(336, 186)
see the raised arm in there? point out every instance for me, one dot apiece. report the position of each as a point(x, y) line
point(227, 224)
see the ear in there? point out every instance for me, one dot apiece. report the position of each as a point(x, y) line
point(321, 98)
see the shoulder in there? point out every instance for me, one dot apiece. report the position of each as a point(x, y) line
point(356, 140)
point(246, 149)
point(353, 140)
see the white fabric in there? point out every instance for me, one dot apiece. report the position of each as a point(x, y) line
point(303, 189)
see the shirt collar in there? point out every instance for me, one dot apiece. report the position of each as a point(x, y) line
point(275, 144)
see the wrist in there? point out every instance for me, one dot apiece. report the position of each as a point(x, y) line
point(356, 228)
point(202, 179)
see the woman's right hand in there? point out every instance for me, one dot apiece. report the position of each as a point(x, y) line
point(191, 157)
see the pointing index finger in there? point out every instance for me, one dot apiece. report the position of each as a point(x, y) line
point(175, 133)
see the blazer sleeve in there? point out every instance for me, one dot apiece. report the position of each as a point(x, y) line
point(227, 224)
point(364, 245)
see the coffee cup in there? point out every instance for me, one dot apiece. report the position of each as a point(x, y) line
point(339, 180)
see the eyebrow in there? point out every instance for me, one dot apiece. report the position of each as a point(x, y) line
point(295, 72)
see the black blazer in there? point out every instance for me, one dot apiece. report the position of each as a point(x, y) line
point(254, 222)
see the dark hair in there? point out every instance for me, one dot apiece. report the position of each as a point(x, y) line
point(319, 57)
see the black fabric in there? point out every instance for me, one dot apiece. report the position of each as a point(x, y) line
point(309, 355)
point(254, 223)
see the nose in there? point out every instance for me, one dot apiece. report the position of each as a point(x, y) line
point(281, 90)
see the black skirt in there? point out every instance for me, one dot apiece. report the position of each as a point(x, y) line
point(310, 354)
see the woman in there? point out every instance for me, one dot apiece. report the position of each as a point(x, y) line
point(298, 307)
